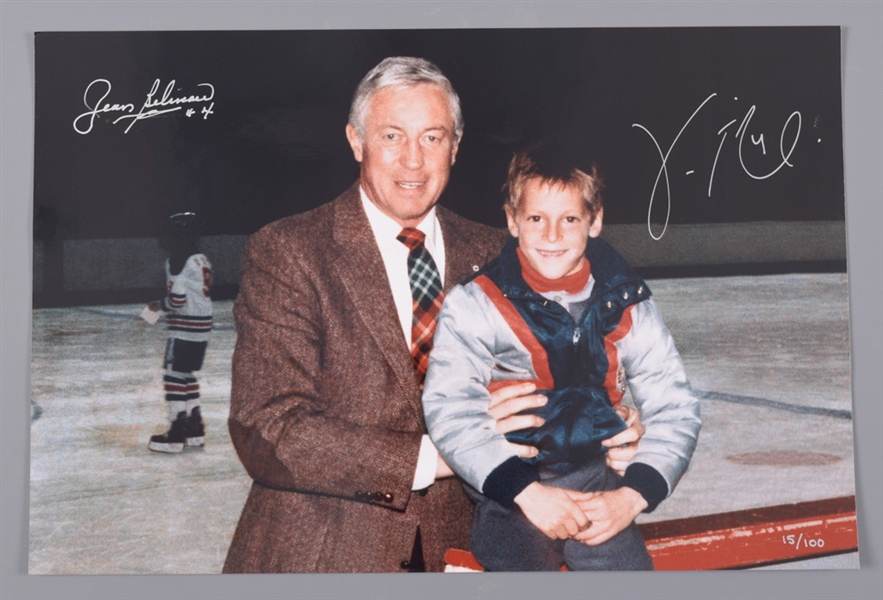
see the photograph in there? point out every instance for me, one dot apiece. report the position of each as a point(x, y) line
point(440, 300)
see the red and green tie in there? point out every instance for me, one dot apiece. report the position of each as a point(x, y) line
point(427, 294)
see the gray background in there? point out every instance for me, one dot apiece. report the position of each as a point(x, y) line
point(863, 132)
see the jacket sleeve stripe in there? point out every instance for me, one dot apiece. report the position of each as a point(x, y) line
point(521, 330)
point(611, 380)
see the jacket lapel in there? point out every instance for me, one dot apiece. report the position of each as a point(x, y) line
point(360, 267)
point(458, 265)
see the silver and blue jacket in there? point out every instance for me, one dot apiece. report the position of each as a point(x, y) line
point(495, 330)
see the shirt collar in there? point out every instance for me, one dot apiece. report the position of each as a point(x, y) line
point(385, 228)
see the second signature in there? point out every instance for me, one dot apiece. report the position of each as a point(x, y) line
point(785, 152)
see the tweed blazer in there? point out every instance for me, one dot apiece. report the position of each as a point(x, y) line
point(325, 408)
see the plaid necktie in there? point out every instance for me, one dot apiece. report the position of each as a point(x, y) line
point(426, 290)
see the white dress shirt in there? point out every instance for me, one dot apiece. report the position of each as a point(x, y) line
point(395, 260)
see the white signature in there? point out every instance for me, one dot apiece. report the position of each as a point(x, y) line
point(97, 92)
point(740, 135)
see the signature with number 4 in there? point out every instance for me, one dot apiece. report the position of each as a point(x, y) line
point(156, 103)
point(787, 142)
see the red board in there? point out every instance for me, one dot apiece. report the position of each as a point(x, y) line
point(753, 537)
point(741, 539)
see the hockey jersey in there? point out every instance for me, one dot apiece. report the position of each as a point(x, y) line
point(188, 301)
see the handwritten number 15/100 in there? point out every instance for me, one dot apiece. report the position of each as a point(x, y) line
point(740, 134)
point(791, 540)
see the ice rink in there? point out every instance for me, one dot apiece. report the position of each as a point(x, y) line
point(768, 356)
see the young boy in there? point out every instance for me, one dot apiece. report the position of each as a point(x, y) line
point(562, 309)
point(188, 308)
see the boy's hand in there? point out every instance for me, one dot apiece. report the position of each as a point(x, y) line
point(623, 446)
point(505, 405)
point(609, 513)
point(552, 510)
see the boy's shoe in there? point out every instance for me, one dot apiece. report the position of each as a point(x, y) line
point(195, 435)
point(172, 441)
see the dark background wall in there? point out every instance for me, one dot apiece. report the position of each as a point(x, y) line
point(748, 120)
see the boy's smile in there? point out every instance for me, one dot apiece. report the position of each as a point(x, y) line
point(552, 224)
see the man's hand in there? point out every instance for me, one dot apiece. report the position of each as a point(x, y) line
point(442, 469)
point(623, 446)
point(609, 513)
point(552, 510)
point(505, 405)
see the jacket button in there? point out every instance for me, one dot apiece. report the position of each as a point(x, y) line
point(405, 564)
point(423, 492)
point(388, 497)
point(377, 496)
point(625, 296)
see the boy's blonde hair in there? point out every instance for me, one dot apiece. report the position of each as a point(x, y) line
point(552, 169)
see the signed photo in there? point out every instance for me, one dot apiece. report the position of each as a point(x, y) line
point(173, 434)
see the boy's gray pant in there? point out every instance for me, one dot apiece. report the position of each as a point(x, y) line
point(504, 540)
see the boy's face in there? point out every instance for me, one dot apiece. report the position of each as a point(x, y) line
point(552, 225)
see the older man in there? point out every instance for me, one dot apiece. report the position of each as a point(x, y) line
point(335, 319)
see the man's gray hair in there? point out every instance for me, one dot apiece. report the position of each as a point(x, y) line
point(405, 71)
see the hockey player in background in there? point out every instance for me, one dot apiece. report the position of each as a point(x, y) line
point(188, 311)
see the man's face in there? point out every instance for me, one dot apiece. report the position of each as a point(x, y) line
point(552, 225)
point(408, 150)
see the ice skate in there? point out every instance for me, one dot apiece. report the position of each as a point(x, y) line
point(195, 435)
point(172, 441)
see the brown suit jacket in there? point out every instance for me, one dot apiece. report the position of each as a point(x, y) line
point(325, 409)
